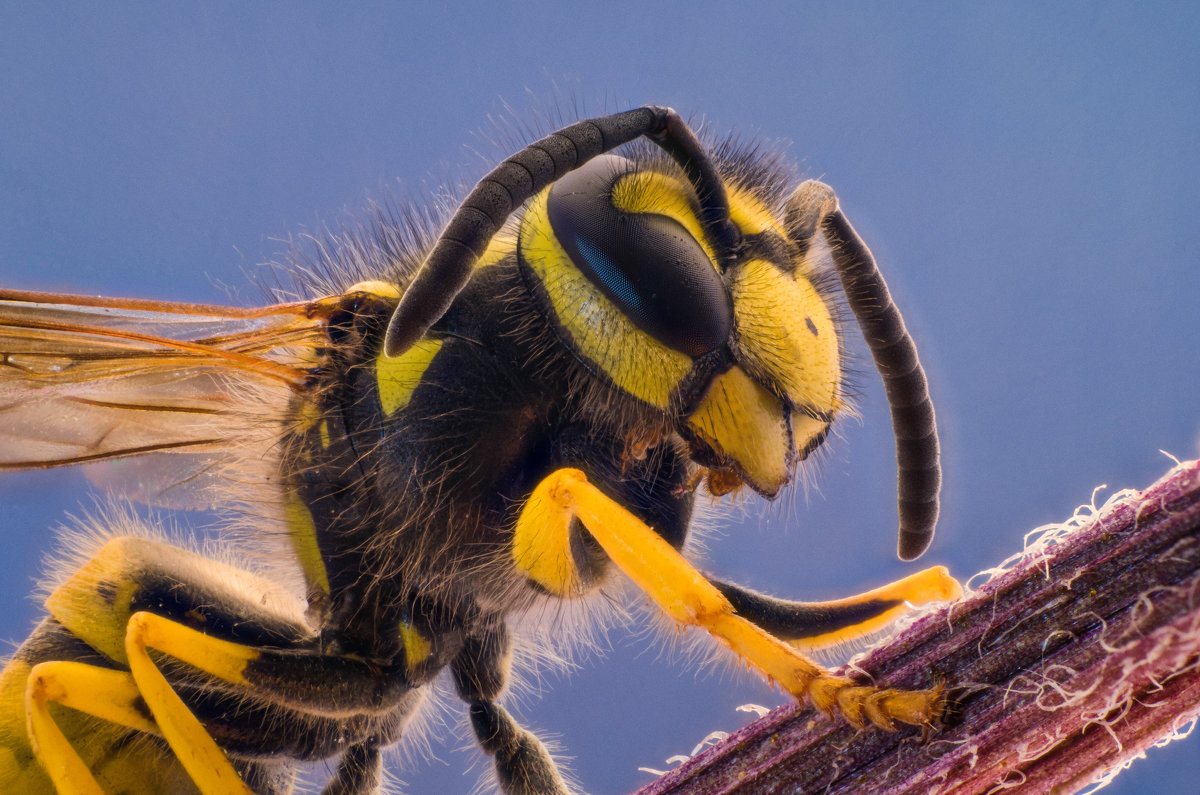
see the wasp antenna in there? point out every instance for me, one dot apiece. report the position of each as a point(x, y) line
point(815, 205)
point(681, 143)
point(451, 261)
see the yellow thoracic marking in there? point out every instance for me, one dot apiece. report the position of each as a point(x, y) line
point(636, 362)
point(931, 585)
point(541, 545)
point(787, 334)
point(303, 532)
point(398, 376)
point(657, 194)
point(741, 420)
point(307, 415)
point(375, 287)
point(416, 645)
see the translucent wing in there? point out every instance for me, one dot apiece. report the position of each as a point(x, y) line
point(183, 386)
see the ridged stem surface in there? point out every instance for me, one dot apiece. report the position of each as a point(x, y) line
point(1072, 658)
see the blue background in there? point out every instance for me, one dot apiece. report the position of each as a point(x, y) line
point(1027, 175)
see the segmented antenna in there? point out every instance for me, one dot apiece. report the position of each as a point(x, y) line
point(452, 259)
point(917, 451)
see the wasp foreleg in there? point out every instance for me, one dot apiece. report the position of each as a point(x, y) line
point(689, 598)
point(814, 625)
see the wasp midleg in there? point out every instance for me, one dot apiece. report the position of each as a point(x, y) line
point(448, 445)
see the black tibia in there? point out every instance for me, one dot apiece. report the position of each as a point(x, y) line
point(359, 771)
point(788, 620)
point(480, 671)
point(813, 208)
point(246, 725)
point(323, 684)
point(523, 765)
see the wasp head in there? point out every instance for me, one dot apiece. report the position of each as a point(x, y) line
point(724, 333)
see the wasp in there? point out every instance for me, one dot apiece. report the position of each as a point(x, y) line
point(458, 431)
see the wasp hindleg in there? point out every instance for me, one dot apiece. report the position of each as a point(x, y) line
point(689, 598)
point(234, 686)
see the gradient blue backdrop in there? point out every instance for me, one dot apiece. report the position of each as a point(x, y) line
point(1027, 175)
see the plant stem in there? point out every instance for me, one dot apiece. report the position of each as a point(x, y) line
point(1070, 660)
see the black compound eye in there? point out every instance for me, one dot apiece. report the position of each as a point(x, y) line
point(648, 265)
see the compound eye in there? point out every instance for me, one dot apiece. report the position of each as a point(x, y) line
point(649, 265)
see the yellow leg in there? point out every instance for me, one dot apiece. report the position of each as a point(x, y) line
point(101, 692)
point(199, 754)
point(930, 585)
point(689, 598)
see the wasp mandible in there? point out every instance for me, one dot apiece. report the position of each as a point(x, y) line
point(463, 430)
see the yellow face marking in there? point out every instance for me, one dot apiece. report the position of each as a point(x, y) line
point(416, 645)
point(805, 430)
point(598, 331)
point(397, 377)
point(744, 422)
point(786, 332)
point(541, 545)
point(658, 194)
point(303, 532)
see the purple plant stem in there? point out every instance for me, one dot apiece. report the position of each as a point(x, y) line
point(1067, 663)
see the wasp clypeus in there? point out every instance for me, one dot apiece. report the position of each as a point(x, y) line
point(458, 432)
